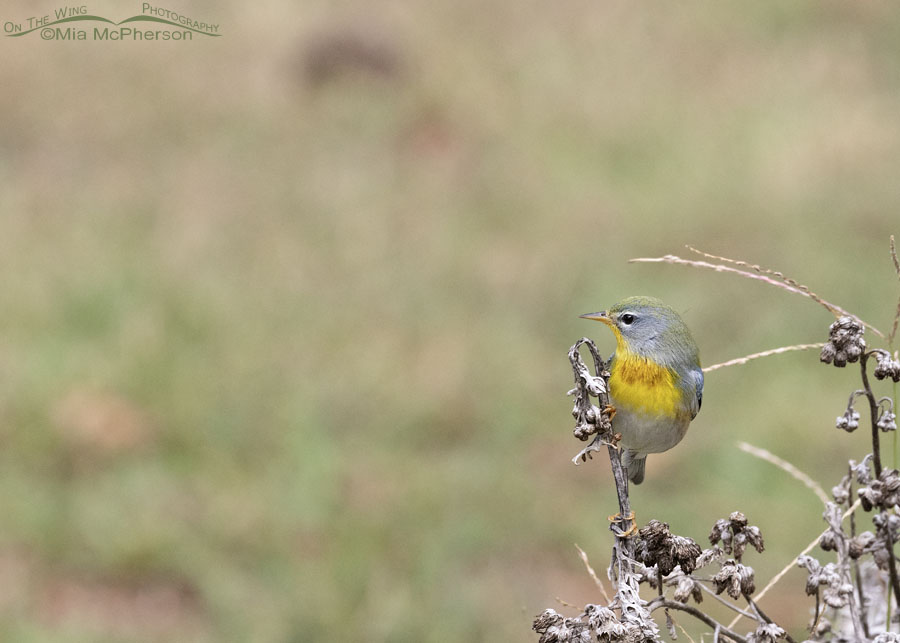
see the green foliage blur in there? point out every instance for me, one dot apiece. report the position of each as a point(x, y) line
point(284, 314)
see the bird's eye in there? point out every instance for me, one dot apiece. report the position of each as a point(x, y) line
point(627, 319)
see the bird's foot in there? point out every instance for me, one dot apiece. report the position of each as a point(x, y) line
point(610, 411)
point(619, 523)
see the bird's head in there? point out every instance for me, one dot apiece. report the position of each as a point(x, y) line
point(650, 328)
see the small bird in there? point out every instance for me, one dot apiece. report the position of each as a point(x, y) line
point(655, 383)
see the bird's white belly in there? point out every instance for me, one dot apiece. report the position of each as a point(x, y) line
point(645, 433)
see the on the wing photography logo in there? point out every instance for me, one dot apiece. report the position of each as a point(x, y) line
point(72, 23)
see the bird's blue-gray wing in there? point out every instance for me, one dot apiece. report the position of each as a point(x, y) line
point(696, 376)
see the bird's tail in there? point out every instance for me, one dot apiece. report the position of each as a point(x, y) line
point(634, 466)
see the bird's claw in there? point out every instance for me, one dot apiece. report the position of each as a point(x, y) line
point(617, 521)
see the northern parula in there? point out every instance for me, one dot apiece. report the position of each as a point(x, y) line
point(655, 383)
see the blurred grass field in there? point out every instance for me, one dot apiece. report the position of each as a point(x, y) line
point(286, 312)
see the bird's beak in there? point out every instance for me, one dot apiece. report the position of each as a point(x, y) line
point(602, 316)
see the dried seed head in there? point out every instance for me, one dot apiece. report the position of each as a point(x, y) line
point(845, 342)
point(735, 578)
point(837, 596)
point(735, 534)
point(861, 544)
point(887, 421)
point(553, 628)
point(828, 541)
point(686, 588)
point(888, 521)
point(738, 519)
point(823, 628)
point(598, 615)
point(614, 631)
point(841, 492)
point(862, 470)
point(645, 574)
point(658, 546)
point(589, 418)
point(812, 581)
point(547, 619)
point(709, 555)
point(887, 637)
point(879, 552)
point(603, 622)
point(836, 591)
point(883, 492)
point(887, 526)
point(766, 633)
point(887, 367)
point(849, 421)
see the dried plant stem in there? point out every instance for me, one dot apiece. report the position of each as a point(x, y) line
point(685, 632)
point(730, 606)
point(873, 412)
point(854, 564)
point(764, 616)
point(593, 574)
point(896, 314)
point(876, 463)
point(774, 351)
point(815, 624)
point(658, 603)
point(615, 461)
point(786, 466)
point(773, 273)
point(894, 256)
point(718, 268)
point(615, 457)
point(834, 309)
point(565, 603)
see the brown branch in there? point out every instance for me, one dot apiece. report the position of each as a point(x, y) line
point(763, 616)
point(863, 617)
point(834, 309)
point(604, 436)
point(657, 603)
point(876, 463)
point(873, 412)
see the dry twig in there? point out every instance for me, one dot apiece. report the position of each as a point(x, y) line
point(897, 313)
point(593, 574)
point(786, 466)
point(773, 351)
point(799, 289)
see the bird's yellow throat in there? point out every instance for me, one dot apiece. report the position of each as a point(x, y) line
point(639, 385)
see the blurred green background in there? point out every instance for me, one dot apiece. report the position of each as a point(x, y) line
point(285, 313)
